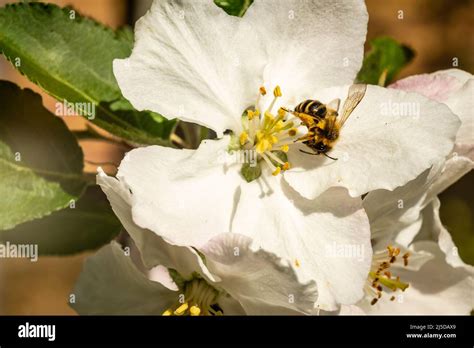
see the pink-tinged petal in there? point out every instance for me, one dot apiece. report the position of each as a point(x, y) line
point(436, 87)
point(453, 87)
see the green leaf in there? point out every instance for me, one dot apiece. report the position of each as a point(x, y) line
point(234, 7)
point(89, 225)
point(385, 59)
point(71, 57)
point(40, 161)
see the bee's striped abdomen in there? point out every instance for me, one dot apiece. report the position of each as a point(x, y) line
point(311, 107)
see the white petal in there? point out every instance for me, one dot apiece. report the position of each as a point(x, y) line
point(259, 280)
point(462, 104)
point(437, 288)
point(351, 310)
point(162, 275)
point(396, 215)
point(193, 61)
point(185, 196)
point(378, 148)
point(153, 249)
point(110, 284)
point(461, 75)
point(230, 306)
point(311, 44)
point(456, 166)
point(307, 233)
point(398, 211)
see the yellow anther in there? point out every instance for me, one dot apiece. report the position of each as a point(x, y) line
point(263, 91)
point(277, 171)
point(181, 309)
point(269, 117)
point(297, 263)
point(243, 138)
point(277, 92)
point(292, 132)
point(279, 125)
point(251, 114)
point(281, 112)
point(195, 311)
point(285, 148)
point(286, 166)
point(167, 313)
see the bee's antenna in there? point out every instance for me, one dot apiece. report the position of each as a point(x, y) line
point(315, 154)
point(288, 110)
point(309, 153)
point(325, 154)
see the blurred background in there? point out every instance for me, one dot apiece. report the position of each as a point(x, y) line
point(438, 31)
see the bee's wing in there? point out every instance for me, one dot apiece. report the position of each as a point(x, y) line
point(334, 104)
point(354, 96)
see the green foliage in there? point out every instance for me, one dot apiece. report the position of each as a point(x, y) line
point(385, 59)
point(71, 57)
point(40, 161)
point(87, 226)
point(234, 7)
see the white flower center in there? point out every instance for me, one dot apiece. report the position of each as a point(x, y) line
point(200, 298)
point(380, 278)
point(269, 135)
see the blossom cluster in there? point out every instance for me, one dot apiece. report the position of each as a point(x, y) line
point(352, 228)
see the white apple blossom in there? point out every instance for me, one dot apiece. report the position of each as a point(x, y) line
point(428, 277)
point(194, 62)
point(409, 216)
point(399, 212)
point(233, 279)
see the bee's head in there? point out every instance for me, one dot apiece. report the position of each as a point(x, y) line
point(322, 147)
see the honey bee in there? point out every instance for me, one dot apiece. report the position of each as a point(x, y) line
point(323, 121)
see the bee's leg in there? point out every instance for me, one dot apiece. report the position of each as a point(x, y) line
point(306, 137)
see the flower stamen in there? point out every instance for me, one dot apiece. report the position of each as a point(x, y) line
point(199, 299)
point(380, 277)
point(269, 133)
